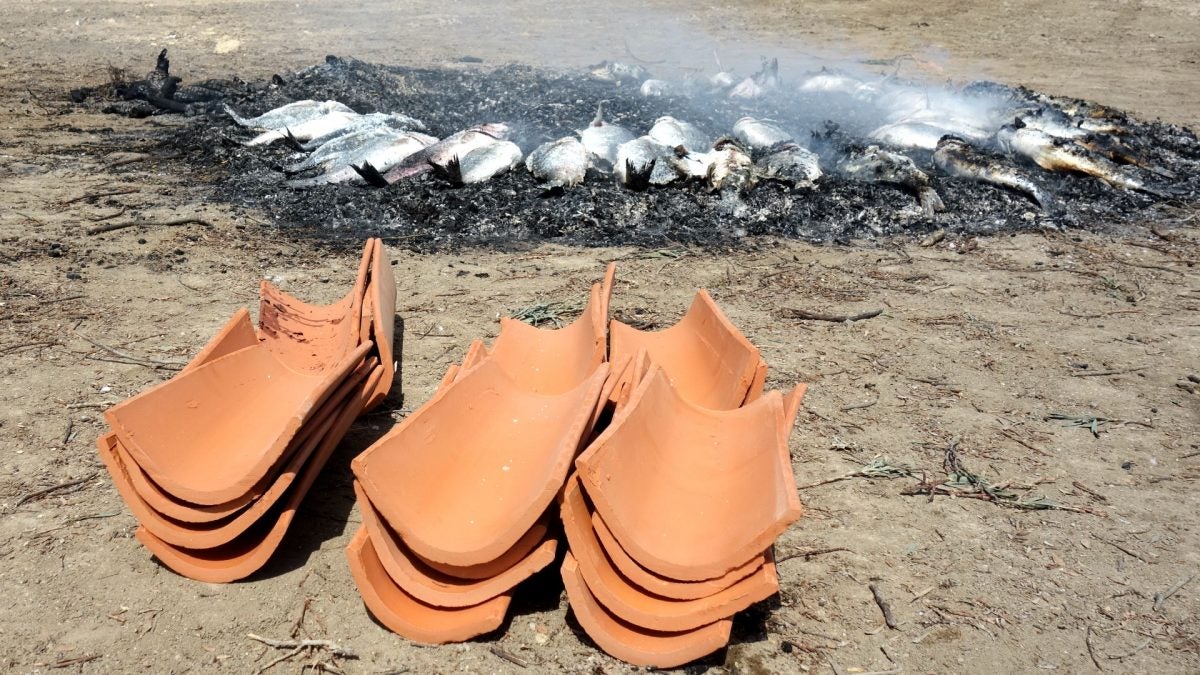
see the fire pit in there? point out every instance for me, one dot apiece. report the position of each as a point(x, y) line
point(1156, 161)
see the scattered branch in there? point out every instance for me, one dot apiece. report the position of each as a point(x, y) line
point(883, 607)
point(509, 656)
point(1087, 640)
point(877, 468)
point(810, 553)
point(1160, 598)
point(109, 227)
point(805, 315)
point(61, 486)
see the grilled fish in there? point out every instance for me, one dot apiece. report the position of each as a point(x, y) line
point(383, 153)
point(306, 131)
point(1059, 154)
point(766, 79)
point(759, 134)
point(957, 158)
point(615, 71)
point(482, 163)
point(438, 154)
point(601, 139)
point(389, 121)
point(652, 88)
point(672, 132)
point(289, 115)
point(730, 167)
point(561, 163)
point(789, 162)
point(875, 165)
point(835, 82)
point(343, 146)
point(637, 159)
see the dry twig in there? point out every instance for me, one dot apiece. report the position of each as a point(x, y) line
point(883, 607)
point(109, 227)
point(805, 315)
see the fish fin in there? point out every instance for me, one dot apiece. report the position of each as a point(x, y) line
point(452, 171)
point(370, 174)
point(598, 120)
point(293, 142)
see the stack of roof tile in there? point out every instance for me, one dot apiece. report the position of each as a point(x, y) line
point(673, 511)
point(457, 500)
point(215, 461)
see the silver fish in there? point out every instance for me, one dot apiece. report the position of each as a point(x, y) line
point(828, 81)
point(483, 163)
point(875, 165)
point(439, 154)
point(340, 146)
point(1058, 154)
point(601, 140)
point(730, 168)
point(306, 130)
point(288, 115)
point(672, 132)
point(636, 160)
point(957, 158)
point(1052, 123)
point(766, 79)
point(909, 135)
point(791, 163)
point(383, 153)
point(561, 163)
point(615, 71)
point(653, 88)
point(759, 134)
point(390, 121)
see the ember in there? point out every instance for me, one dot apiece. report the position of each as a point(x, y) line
point(1062, 164)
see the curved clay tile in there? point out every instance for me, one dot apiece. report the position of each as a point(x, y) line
point(432, 587)
point(238, 333)
point(663, 586)
point(519, 551)
point(634, 644)
point(634, 604)
point(166, 508)
point(465, 476)
point(692, 493)
point(382, 310)
point(249, 552)
point(209, 435)
point(409, 617)
point(213, 534)
point(704, 355)
point(313, 338)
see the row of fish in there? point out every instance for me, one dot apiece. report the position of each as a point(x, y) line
point(1056, 135)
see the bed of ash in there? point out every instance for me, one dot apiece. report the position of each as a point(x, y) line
point(842, 117)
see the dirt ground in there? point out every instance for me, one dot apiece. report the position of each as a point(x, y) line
point(979, 343)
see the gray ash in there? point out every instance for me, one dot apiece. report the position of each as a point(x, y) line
point(512, 209)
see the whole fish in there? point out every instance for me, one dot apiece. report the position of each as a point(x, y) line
point(601, 140)
point(338, 147)
point(672, 132)
point(1052, 122)
point(653, 88)
point(827, 81)
point(759, 134)
point(383, 153)
point(438, 154)
point(730, 168)
point(636, 160)
point(875, 165)
point(1059, 154)
point(306, 131)
point(482, 163)
point(288, 115)
point(389, 121)
point(789, 162)
point(561, 163)
point(758, 84)
point(615, 71)
point(957, 158)
point(910, 135)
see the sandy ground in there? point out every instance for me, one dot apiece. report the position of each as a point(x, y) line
point(979, 342)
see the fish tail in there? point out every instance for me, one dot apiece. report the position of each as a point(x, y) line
point(236, 117)
point(370, 174)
